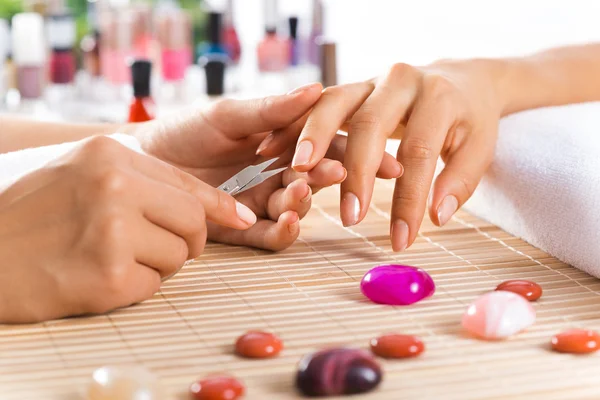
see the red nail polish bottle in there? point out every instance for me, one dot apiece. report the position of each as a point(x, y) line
point(142, 105)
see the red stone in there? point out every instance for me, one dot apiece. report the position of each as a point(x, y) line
point(217, 388)
point(530, 290)
point(255, 344)
point(577, 341)
point(397, 346)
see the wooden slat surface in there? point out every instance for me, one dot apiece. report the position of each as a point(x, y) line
point(309, 295)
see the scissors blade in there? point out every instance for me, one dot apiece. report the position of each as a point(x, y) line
point(237, 182)
point(260, 178)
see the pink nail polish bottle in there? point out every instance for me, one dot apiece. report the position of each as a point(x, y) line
point(29, 54)
point(315, 32)
point(4, 49)
point(175, 39)
point(273, 50)
point(230, 36)
point(116, 48)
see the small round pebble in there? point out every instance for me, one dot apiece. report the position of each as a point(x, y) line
point(576, 341)
point(124, 383)
point(337, 372)
point(397, 346)
point(397, 284)
point(217, 388)
point(255, 344)
point(529, 290)
point(498, 315)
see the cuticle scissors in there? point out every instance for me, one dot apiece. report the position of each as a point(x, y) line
point(249, 177)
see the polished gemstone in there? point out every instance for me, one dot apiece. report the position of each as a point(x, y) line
point(217, 388)
point(124, 383)
point(397, 284)
point(336, 372)
point(577, 341)
point(530, 290)
point(397, 346)
point(498, 315)
point(255, 344)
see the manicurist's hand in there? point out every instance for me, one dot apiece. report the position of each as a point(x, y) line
point(448, 109)
point(215, 142)
point(99, 228)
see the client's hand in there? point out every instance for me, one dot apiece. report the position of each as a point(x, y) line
point(216, 142)
point(448, 109)
point(99, 228)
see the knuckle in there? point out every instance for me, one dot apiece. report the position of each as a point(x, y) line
point(114, 277)
point(365, 121)
point(437, 86)
point(180, 252)
point(400, 69)
point(407, 197)
point(111, 232)
point(99, 145)
point(417, 150)
point(112, 181)
point(332, 92)
point(220, 107)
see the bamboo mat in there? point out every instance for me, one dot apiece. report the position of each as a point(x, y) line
point(309, 295)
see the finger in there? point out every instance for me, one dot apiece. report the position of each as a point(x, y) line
point(295, 197)
point(239, 118)
point(326, 173)
point(265, 234)
point(388, 169)
point(398, 133)
point(461, 175)
point(219, 207)
point(281, 140)
point(370, 127)
point(428, 125)
point(336, 105)
point(160, 249)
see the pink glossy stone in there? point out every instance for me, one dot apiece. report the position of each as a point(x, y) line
point(397, 284)
point(498, 315)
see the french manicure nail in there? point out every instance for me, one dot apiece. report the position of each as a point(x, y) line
point(401, 170)
point(447, 209)
point(303, 153)
point(306, 198)
point(265, 143)
point(245, 214)
point(303, 88)
point(343, 175)
point(350, 208)
point(399, 234)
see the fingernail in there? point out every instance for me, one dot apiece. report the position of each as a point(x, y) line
point(293, 227)
point(400, 170)
point(447, 209)
point(264, 144)
point(399, 234)
point(303, 88)
point(306, 198)
point(343, 175)
point(350, 209)
point(245, 214)
point(303, 153)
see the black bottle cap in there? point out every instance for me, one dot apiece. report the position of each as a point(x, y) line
point(140, 77)
point(293, 21)
point(214, 68)
point(215, 27)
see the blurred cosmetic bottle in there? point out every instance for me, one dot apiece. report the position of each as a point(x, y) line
point(215, 69)
point(141, 19)
point(29, 54)
point(174, 32)
point(315, 32)
point(142, 107)
point(230, 36)
point(273, 50)
point(214, 43)
point(60, 30)
point(294, 45)
point(117, 50)
point(4, 49)
point(90, 43)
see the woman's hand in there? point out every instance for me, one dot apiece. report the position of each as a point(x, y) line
point(216, 142)
point(99, 228)
point(448, 109)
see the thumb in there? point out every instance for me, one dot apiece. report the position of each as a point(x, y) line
point(238, 119)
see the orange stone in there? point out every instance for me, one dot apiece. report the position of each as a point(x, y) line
point(530, 290)
point(397, 346)
point(577, 341)
point(255, 344)
point(217, 388)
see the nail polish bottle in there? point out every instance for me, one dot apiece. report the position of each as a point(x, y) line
point(230, 37)
point(315, 32)
point(273, 51)
point(214, 44)
point(142, 106)
point(29, 54)
point(4, 48)
point(61, 38)
point(174, 29)
point(90, 43)
point(116, 46)
point(141, 17)
point(328, 62)
point(294, 47)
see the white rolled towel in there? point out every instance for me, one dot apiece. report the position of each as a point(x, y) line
point(544, 183)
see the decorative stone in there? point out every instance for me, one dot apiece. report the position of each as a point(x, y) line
point(124, 383)
point(498, 315)
point(397, 284)
point(255, 344)
point(217, 388)
point(336, 372)
point(397, 346)
point(576, 341)
point(530, 290)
